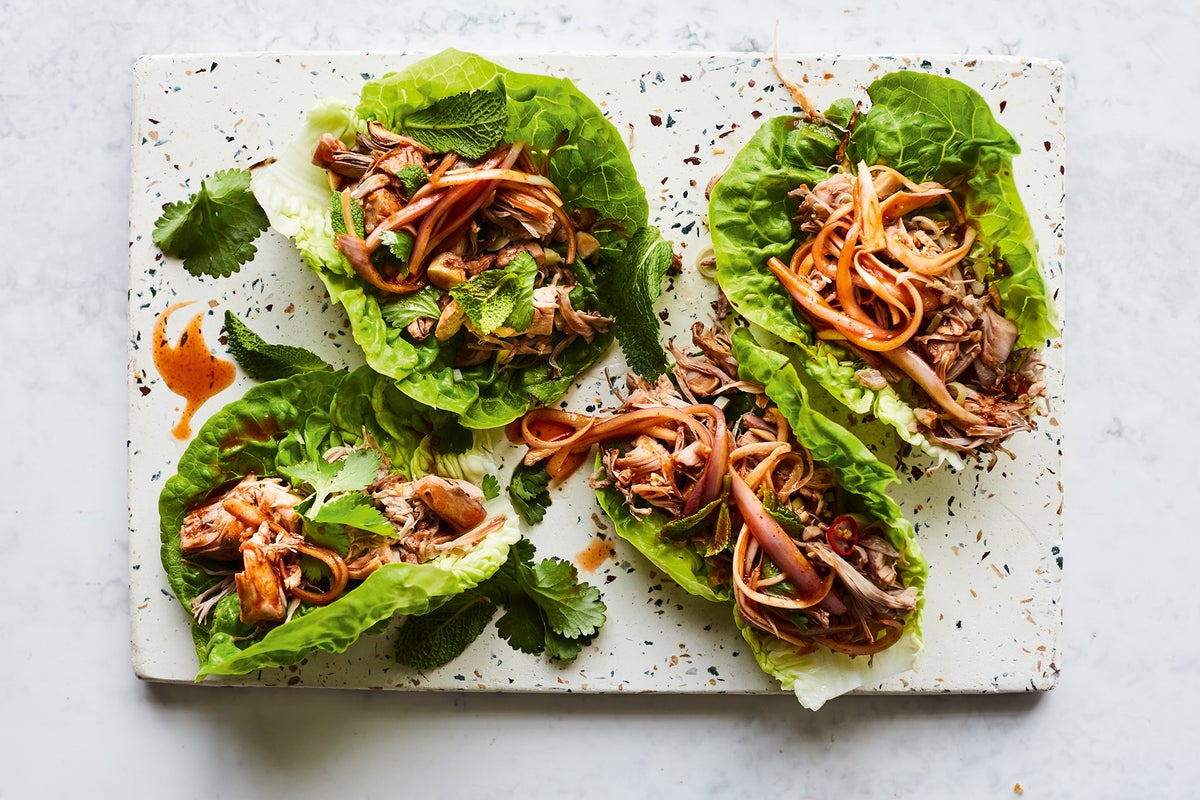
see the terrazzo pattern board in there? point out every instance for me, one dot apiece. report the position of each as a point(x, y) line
point(992, 536)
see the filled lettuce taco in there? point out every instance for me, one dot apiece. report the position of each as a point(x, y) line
point(469, 218)
point(888, 254)
point(315, 509)
point(727, 481)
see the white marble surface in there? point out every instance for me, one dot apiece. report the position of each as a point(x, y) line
point(76, 720)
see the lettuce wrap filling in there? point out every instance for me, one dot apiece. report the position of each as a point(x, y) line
point(314, 510)
point(890, 251)
point(726, 480)
point(468, 218)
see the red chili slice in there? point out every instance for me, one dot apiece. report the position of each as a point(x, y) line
point(843, 534)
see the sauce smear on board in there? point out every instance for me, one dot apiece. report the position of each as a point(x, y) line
point(595, 554)
point(188, 368)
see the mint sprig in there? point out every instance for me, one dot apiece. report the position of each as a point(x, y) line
point(337, 217)
point(628, 287)
point(401, 312)
point(470, 124)
point(500, 297)
point(437, 638)
point(263, 361)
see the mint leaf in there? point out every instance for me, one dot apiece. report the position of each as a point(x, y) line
point(214, 230)
point(490, 487)
point(354, 510)
point(437, 638)
point(355, 472)
point(502, 296)
point(529, 490)
point(628, 287)
point(400, 243)
point(424, 303)
point(470, 124)
point(338, 219)
point(488, 298)
point(267, 362)
point(524, 270)
point(412, 177)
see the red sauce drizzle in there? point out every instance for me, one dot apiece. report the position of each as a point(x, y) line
point(188, 368)
point(595, 554)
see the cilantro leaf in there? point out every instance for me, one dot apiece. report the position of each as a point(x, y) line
point(547, 609)
point(355, 510)
point(437, 638)
point(529, 490)
point(214, 230)
point(355, 472)
point(570, 608)
point(562, 648)
point(470, 123)
point(314, 569)
point(335, 537)
point(522, 625)
point(628, 287)
point(400, 313)
point(490, 487)
point(266, 362)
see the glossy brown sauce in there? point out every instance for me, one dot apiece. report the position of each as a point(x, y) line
point(188, 368)
point(595, 554)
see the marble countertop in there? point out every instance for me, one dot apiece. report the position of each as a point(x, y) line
point(77, 721)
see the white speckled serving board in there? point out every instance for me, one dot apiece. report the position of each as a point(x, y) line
point(993, 539)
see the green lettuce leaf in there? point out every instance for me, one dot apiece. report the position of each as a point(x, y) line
point(592, 168)
point(681, 563)
point(819, 676)
point(273, 428)
point(924, 125)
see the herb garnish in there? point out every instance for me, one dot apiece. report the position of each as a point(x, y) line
point(628, 287)
point(547, 609)
point(267, 362)
point(469, 123)
point(213, 231)
point(529, 491)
